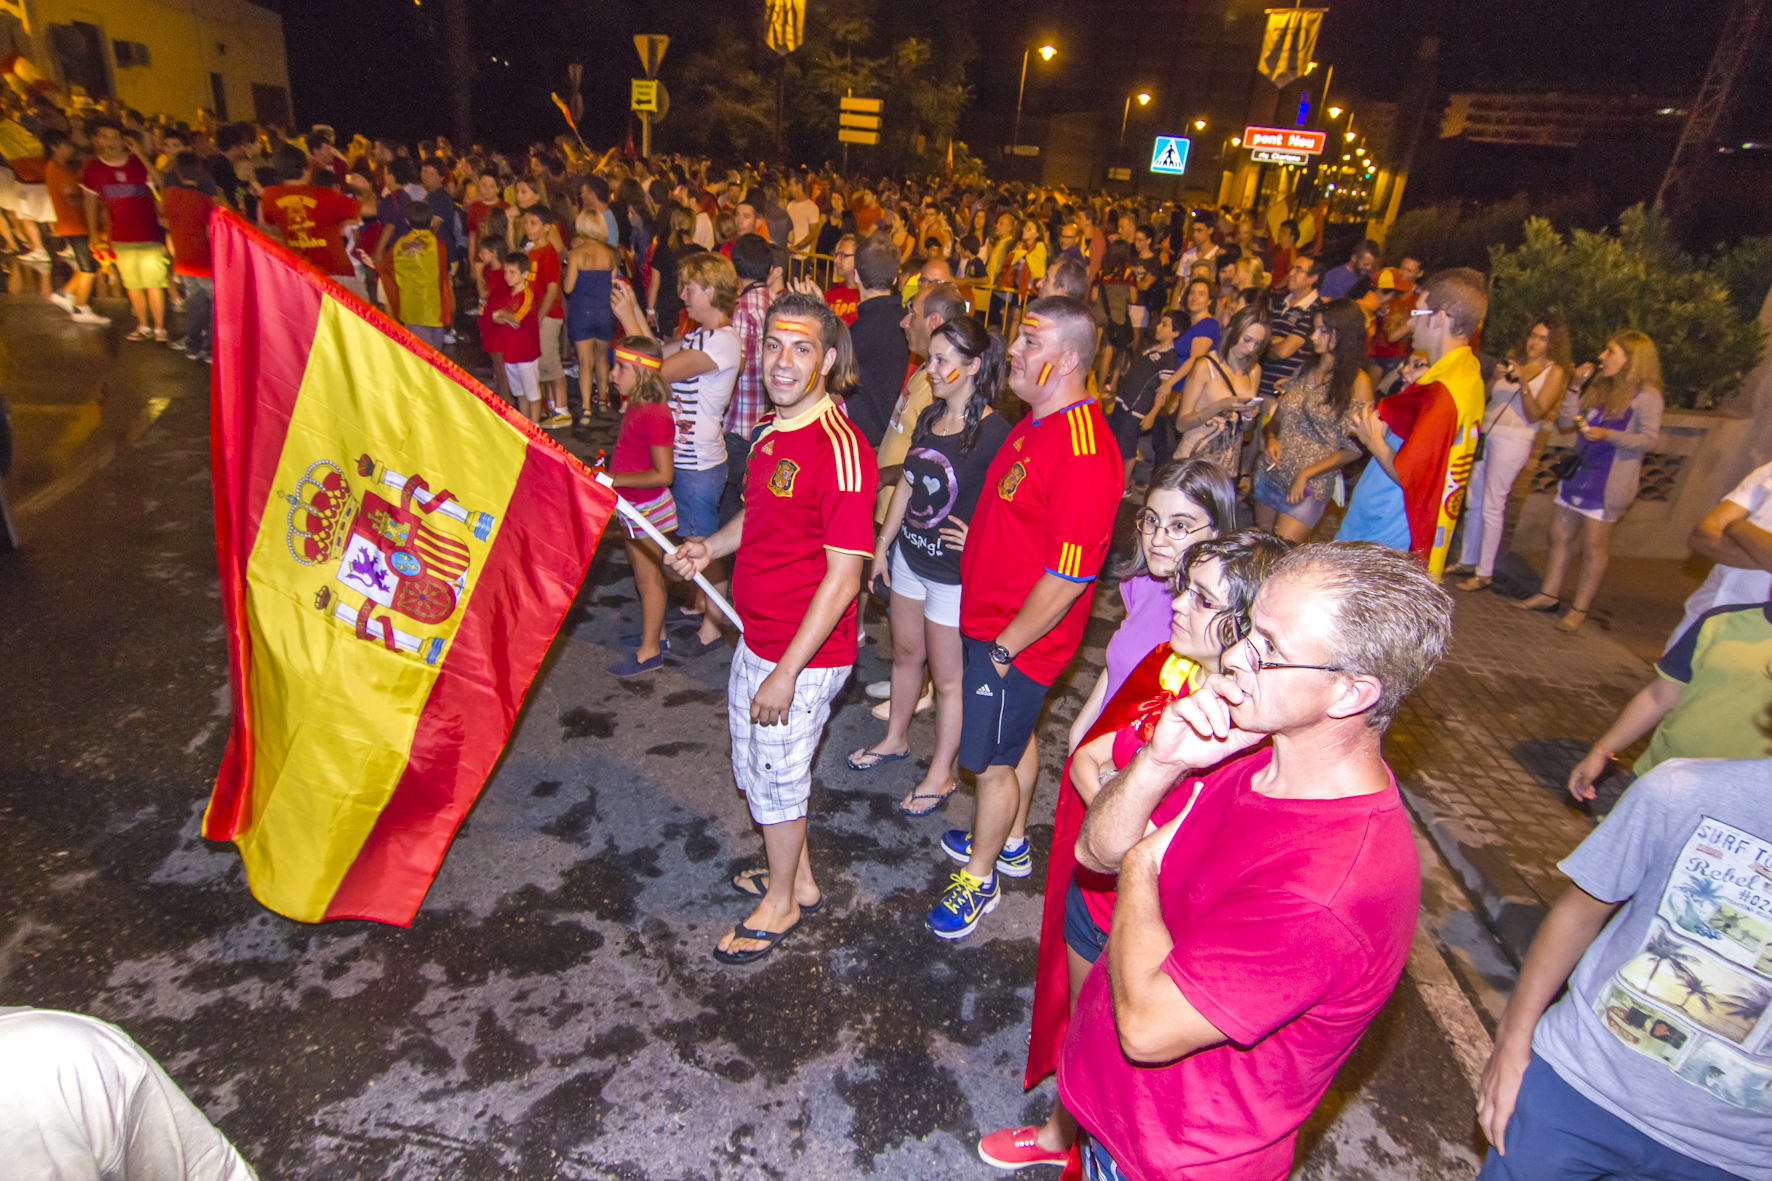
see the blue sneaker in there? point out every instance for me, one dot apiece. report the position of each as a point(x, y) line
point(1016, 860)
point(967, 900)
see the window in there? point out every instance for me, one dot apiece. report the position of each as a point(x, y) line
point(218, 95)
point(79, 51)
point(130, 53)
point(270, 105)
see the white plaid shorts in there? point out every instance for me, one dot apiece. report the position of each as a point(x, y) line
point(773, 764)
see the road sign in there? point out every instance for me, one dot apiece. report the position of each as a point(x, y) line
point(1169, 155)
point(846, 136)
point(1119, 174)
point(862, 106)
point(651, 48)
point(643, 95)
point(859, 122)
point(1273, 156)
point(1284, 139)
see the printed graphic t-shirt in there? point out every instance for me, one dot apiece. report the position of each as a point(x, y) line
point(944, 483)
point(127, 197)
point(312, 220)
point(699, 403)
point(809, 488)
point(1666, 1022)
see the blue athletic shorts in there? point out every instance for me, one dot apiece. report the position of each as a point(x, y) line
point(998, 713)
point(1081, 934)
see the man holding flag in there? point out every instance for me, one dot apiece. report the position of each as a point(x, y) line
point(801, 539)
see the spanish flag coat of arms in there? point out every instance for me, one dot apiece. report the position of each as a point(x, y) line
point(398, 548)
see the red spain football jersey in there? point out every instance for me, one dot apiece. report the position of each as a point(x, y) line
point(1047, 508)
point(809, 487)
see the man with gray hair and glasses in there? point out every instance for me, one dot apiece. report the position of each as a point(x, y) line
point(1264, 920)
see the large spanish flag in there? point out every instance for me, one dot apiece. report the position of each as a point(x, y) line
point(397, 548)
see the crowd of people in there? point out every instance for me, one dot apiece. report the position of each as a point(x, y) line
point(937, 395)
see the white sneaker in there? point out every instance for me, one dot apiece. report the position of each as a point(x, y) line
point(63, 300)
point(38, 255)
point(884, 709)
point(88, 316)
point(880, 689)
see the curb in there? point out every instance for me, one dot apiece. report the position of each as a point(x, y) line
point(1503, 900)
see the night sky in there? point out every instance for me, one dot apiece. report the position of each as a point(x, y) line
point(377, 65)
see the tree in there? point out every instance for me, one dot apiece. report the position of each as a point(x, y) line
point(721, 104)
point(1603, 283)
point(1663, 949)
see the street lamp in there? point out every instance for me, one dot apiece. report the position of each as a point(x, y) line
point(1047, 52)
point(1335, 112)
point(1199, 124)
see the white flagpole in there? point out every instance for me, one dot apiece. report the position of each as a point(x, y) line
point(633, 514)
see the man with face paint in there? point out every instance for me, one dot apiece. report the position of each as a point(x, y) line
point(802, 539)
point(1035, 546)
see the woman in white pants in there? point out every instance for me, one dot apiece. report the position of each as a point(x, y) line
point(1528, 386)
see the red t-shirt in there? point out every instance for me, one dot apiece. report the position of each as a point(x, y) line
point(643, 427)
point(1048, 508)
point(1382, 345)
point(65, 195)
point(844, 301)
point(498, 293)
point(1292, 921)
point(187, 215)
point(544, 266)
point(809, 487)
point(522, 343)
point(477, 210)
point(128, 199)
point(312, 220)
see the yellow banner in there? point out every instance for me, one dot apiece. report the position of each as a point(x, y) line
point(1289, 43)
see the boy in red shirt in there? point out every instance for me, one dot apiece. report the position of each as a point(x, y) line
point(185, 209)
point(801, 539)
point(520, 314)
point(312, 220)
point(1263, 925)
point(62, 179)
point(118, 181)
point(544, 261)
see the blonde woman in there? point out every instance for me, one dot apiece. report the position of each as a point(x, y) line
point(1618, 416)
point(1530, 382)
point(590, 322)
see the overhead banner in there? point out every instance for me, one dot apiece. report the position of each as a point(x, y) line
point(397, 549)
point(1289, 43)
point(787, 25)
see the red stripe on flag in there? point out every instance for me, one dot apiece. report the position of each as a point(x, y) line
point(543, 549)
point(253, 387)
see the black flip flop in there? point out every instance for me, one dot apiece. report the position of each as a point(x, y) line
point(940, 798)
point(880, 760)
point(771, 938)
point(752, 874)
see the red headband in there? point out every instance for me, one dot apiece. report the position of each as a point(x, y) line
point(636, 358)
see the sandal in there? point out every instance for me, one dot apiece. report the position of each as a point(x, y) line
point(759, 878)
point(1475, 582)
point(880, 760)
point(939, 798)
point(1539, 602)
point(160, 336)
point(770, 939)
point(1572, 622)
point(141, 333)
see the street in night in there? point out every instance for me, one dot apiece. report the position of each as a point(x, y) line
point(347, 829)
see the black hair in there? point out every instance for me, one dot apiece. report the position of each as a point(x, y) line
point(51, 139)
point(1248, 556)
point(403, 170)
point(231, 135)
point(290, 162)
point(518, 259)
point(752, 257)
point(975, 342)
point(541, 213)
point(969, 243)
point(599, 188)
point(1317, 268)
point(1344, 318)
point(188, 165)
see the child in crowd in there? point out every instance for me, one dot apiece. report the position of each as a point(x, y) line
point(421, 296)
point(641, 466)
point(521, 315)
point(489, 280)
point(1214, 585)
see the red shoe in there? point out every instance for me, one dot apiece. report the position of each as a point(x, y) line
point(1017, 1148)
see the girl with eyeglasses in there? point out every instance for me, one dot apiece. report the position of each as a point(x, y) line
point(1208, 600)
point(1187, 502)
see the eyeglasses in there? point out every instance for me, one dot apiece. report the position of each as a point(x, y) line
point(1258, 665)
point(1148, 524)
point(1414, 312)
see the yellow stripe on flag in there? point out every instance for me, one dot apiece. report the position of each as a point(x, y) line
point(315, 802)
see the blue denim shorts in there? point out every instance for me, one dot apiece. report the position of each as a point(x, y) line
point(698, 499)
point(1081, 934)
point(1307, 511)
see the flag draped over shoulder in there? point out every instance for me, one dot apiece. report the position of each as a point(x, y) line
point(397, 549)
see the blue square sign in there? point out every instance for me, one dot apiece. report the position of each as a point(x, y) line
point(1170, 155)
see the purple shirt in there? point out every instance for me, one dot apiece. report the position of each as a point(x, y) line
point(1150, 616)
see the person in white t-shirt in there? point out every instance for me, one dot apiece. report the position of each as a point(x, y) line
point(701, 369)
point(1737, 536)
point(802, 212)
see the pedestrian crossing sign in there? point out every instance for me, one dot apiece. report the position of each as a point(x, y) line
point(1169, 155)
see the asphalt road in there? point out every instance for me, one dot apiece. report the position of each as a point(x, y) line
point(553, 1012)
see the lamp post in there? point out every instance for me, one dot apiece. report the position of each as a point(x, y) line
point(1144, 100)
point(1047, 53)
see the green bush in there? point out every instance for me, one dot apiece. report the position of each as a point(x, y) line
point(1746, 270)
point(1449, 235)
point(1603, 283)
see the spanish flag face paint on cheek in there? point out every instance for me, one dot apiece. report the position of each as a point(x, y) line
point(1045, 372)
